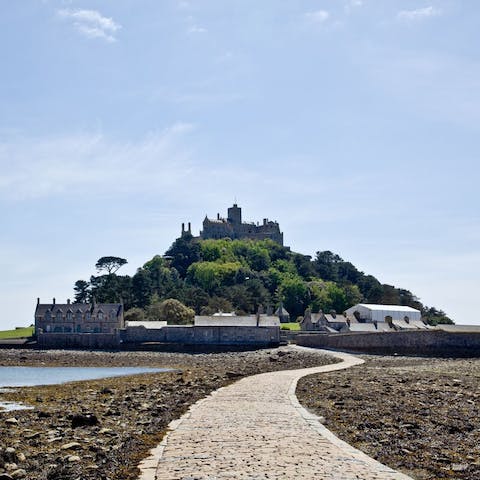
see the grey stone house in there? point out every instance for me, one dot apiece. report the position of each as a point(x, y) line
point(323, 322)
point(78, 324)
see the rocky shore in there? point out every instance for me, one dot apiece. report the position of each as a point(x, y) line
point(419, 416)
point(101, 429)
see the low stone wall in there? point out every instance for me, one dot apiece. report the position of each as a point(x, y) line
point(433, 342)
point(212, 335)
point(79, 340)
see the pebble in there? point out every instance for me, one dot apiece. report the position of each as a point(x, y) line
point(20, 473)
point(70, 446)
point(11, 421)
point(73, 458)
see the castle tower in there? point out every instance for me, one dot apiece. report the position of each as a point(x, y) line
point(235, 214)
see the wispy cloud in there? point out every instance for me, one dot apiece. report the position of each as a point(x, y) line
point(318, 16)
point(91, 23)
point(352, 5)
point(418, 14)
point(74, 164)
point(197, 29)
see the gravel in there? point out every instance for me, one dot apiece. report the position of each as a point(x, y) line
point(416, 415)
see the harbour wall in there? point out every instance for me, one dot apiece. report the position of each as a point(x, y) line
point(422, 343)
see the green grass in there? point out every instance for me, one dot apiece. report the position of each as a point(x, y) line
point(290, 326)
point(20, 332)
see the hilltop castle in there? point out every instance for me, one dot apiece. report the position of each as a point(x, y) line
point(233, 227)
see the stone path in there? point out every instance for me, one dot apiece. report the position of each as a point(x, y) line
point(256, 429)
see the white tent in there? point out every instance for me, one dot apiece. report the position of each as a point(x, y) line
point(382, 313)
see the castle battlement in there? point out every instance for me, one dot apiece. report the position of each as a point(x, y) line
point(233, 227)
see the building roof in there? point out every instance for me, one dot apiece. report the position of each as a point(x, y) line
point(378, 307)
point(42, 308)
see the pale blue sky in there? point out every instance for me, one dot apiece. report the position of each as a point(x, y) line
point(353, 123)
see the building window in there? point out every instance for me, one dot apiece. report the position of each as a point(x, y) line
point(59, 316)
point(100, 316)
point(69, 316)
point(88, 316)
point(79, 329)
point(48, 316)
point(78, 316)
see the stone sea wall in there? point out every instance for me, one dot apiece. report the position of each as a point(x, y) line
point(437, 343)
point(211, 335)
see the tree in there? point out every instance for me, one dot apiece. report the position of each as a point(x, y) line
point(82, 291)
point(171, 311)
point(109, 264)
point(183, 252)
point(134, 315)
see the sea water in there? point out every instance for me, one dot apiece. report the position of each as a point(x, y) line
point(33, 376)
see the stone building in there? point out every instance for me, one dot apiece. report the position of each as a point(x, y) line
point(233, 227)
point(78, 324)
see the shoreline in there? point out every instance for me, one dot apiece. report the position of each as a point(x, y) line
point(99, 429)
point(416, 415)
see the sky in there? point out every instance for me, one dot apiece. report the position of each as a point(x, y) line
point(353, 123)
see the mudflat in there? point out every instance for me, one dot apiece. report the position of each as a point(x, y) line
point(101, 429)
point(417, 415)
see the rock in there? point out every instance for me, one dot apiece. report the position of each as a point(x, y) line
point(11, 421)
point(21, 457)
point(459, 467)
point(87, 420)
point(70, 446)
point(5, 476)
point(9, 467)
point(73, 458)
point(20, 473)
point(30, 436)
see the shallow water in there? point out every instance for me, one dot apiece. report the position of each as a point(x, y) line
point(32, 376)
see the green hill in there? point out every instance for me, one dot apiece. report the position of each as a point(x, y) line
point(240, 275)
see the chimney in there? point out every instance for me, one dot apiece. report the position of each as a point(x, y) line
point(183, 228)
point(189, 227)
point(218, 216)
point(264, 221)
point(54, 301)
point(38, 300)
point(68, 301)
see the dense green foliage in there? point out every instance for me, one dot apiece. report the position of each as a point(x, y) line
point(241, 275)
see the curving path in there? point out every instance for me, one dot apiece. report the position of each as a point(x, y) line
point(256, 429)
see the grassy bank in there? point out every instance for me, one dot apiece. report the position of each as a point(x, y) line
point(19, 332)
